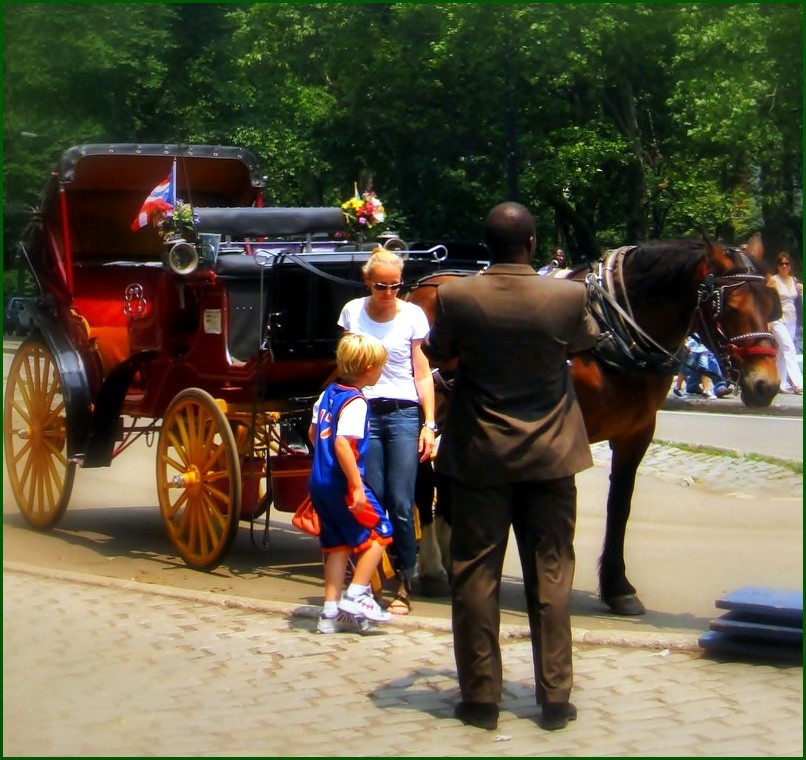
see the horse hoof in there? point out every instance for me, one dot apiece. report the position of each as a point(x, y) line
point(629, 604)
point(431, 586)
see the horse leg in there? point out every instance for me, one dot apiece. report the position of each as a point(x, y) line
point(433, 578)
point(614, 588)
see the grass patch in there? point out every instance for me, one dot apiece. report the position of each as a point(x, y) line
point(714, 451)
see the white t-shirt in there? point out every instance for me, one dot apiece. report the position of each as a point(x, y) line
point(788, 294)
point(410, 323)
point(351, 420)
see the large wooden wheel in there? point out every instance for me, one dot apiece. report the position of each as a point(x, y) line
point(35, 436)
point(198, 479)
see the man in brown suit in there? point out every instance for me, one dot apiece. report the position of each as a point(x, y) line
point(514, 438)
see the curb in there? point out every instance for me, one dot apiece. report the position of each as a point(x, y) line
point(580, 636)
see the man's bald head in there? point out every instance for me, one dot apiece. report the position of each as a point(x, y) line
point(509, 233)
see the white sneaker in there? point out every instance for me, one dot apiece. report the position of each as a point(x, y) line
point(341, 623)
point(364, 606)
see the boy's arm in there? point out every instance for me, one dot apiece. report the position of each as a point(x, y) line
point(345, 454)
point(312, 435)
point(356, 497)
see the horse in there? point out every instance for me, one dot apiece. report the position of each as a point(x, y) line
point(647, 299)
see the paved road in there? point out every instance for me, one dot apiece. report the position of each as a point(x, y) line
point(135, 655)
point(701, 526)
point(112, 669)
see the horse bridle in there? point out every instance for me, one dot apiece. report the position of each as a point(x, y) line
point(712, 296)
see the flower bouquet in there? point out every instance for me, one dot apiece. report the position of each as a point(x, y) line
point(178, 222)
point(363, 213)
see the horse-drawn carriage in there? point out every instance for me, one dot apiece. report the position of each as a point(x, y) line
point(213, 345)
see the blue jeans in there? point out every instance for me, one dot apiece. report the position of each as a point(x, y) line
point(704, 364)
point(391, 472)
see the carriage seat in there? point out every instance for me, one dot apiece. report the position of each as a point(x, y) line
point(114, 297)
point(300, 304)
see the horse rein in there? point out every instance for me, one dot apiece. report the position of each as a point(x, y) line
point(619, 322)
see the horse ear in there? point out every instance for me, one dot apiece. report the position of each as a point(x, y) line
point(755, 248)
point(716, 258)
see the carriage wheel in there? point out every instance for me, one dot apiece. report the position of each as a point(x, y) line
point(198, 479)
point(35, 436)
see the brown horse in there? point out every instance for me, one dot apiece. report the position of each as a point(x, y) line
point(647, 299)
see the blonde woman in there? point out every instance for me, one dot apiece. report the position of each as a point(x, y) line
point(401, 405)
point(785, 328)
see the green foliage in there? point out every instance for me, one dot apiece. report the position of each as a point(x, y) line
point(614, 122)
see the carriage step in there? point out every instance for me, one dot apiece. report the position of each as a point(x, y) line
point(761, 623)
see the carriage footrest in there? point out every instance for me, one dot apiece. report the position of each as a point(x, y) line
point(761, 623)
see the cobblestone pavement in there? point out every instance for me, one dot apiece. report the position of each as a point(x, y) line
point(715, 472)
point(109, 669)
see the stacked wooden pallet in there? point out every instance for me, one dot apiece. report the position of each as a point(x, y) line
point(764, 623)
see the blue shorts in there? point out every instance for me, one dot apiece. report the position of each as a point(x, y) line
point(341, 530)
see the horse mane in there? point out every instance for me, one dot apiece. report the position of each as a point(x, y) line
point(656, 266)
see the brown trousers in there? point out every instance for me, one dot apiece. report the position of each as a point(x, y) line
point(543, 517)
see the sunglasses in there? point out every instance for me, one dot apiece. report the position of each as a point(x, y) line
point(381, 288)
point(783, 263)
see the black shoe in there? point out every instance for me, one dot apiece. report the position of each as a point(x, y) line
point(479, 714)
point(677, 392)
point(557, 716)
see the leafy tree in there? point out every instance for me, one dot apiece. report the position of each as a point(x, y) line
point(737, 105)
point(614, 122)
point(75, 74)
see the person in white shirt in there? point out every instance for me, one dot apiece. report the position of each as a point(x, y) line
point(401, 404)
point(785, 328)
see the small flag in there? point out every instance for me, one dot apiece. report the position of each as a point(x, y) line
point(162, 198)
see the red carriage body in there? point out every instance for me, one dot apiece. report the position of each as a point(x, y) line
point(217, 343)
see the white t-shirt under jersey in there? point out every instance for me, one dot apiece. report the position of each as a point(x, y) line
point(410, 323)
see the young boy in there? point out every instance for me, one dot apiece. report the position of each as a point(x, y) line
point(351, 519)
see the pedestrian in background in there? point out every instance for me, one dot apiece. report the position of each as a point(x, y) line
point(785, 329)
point(701, 364)
point(352, 521)
point(401, 404)
point(513, 440)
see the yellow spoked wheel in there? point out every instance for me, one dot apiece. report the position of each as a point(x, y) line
point(198, 479)
point(35, 436)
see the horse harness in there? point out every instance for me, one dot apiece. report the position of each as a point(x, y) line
point(624, 345)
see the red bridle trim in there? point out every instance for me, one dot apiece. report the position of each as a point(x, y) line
point(753, 350)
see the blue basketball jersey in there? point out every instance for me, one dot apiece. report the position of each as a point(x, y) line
point(328, 484)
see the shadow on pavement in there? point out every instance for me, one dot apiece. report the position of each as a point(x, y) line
point(131, 543)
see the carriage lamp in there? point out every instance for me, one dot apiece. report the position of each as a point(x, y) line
point(181, 258)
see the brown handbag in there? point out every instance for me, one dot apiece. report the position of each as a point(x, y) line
point(305, 518)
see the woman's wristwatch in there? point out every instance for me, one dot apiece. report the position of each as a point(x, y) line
point(431, 426)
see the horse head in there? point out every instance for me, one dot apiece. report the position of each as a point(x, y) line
point(735, 307)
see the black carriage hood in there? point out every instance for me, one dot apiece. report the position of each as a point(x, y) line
point(101, 189)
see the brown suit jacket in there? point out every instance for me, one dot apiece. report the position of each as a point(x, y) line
point(513, 414)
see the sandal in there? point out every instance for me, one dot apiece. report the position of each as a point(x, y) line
point(400, 605)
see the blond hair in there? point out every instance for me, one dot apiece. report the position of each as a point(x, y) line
point(381, 255)
point(355, 354)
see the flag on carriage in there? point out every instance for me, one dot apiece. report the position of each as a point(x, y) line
point(162, 199)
